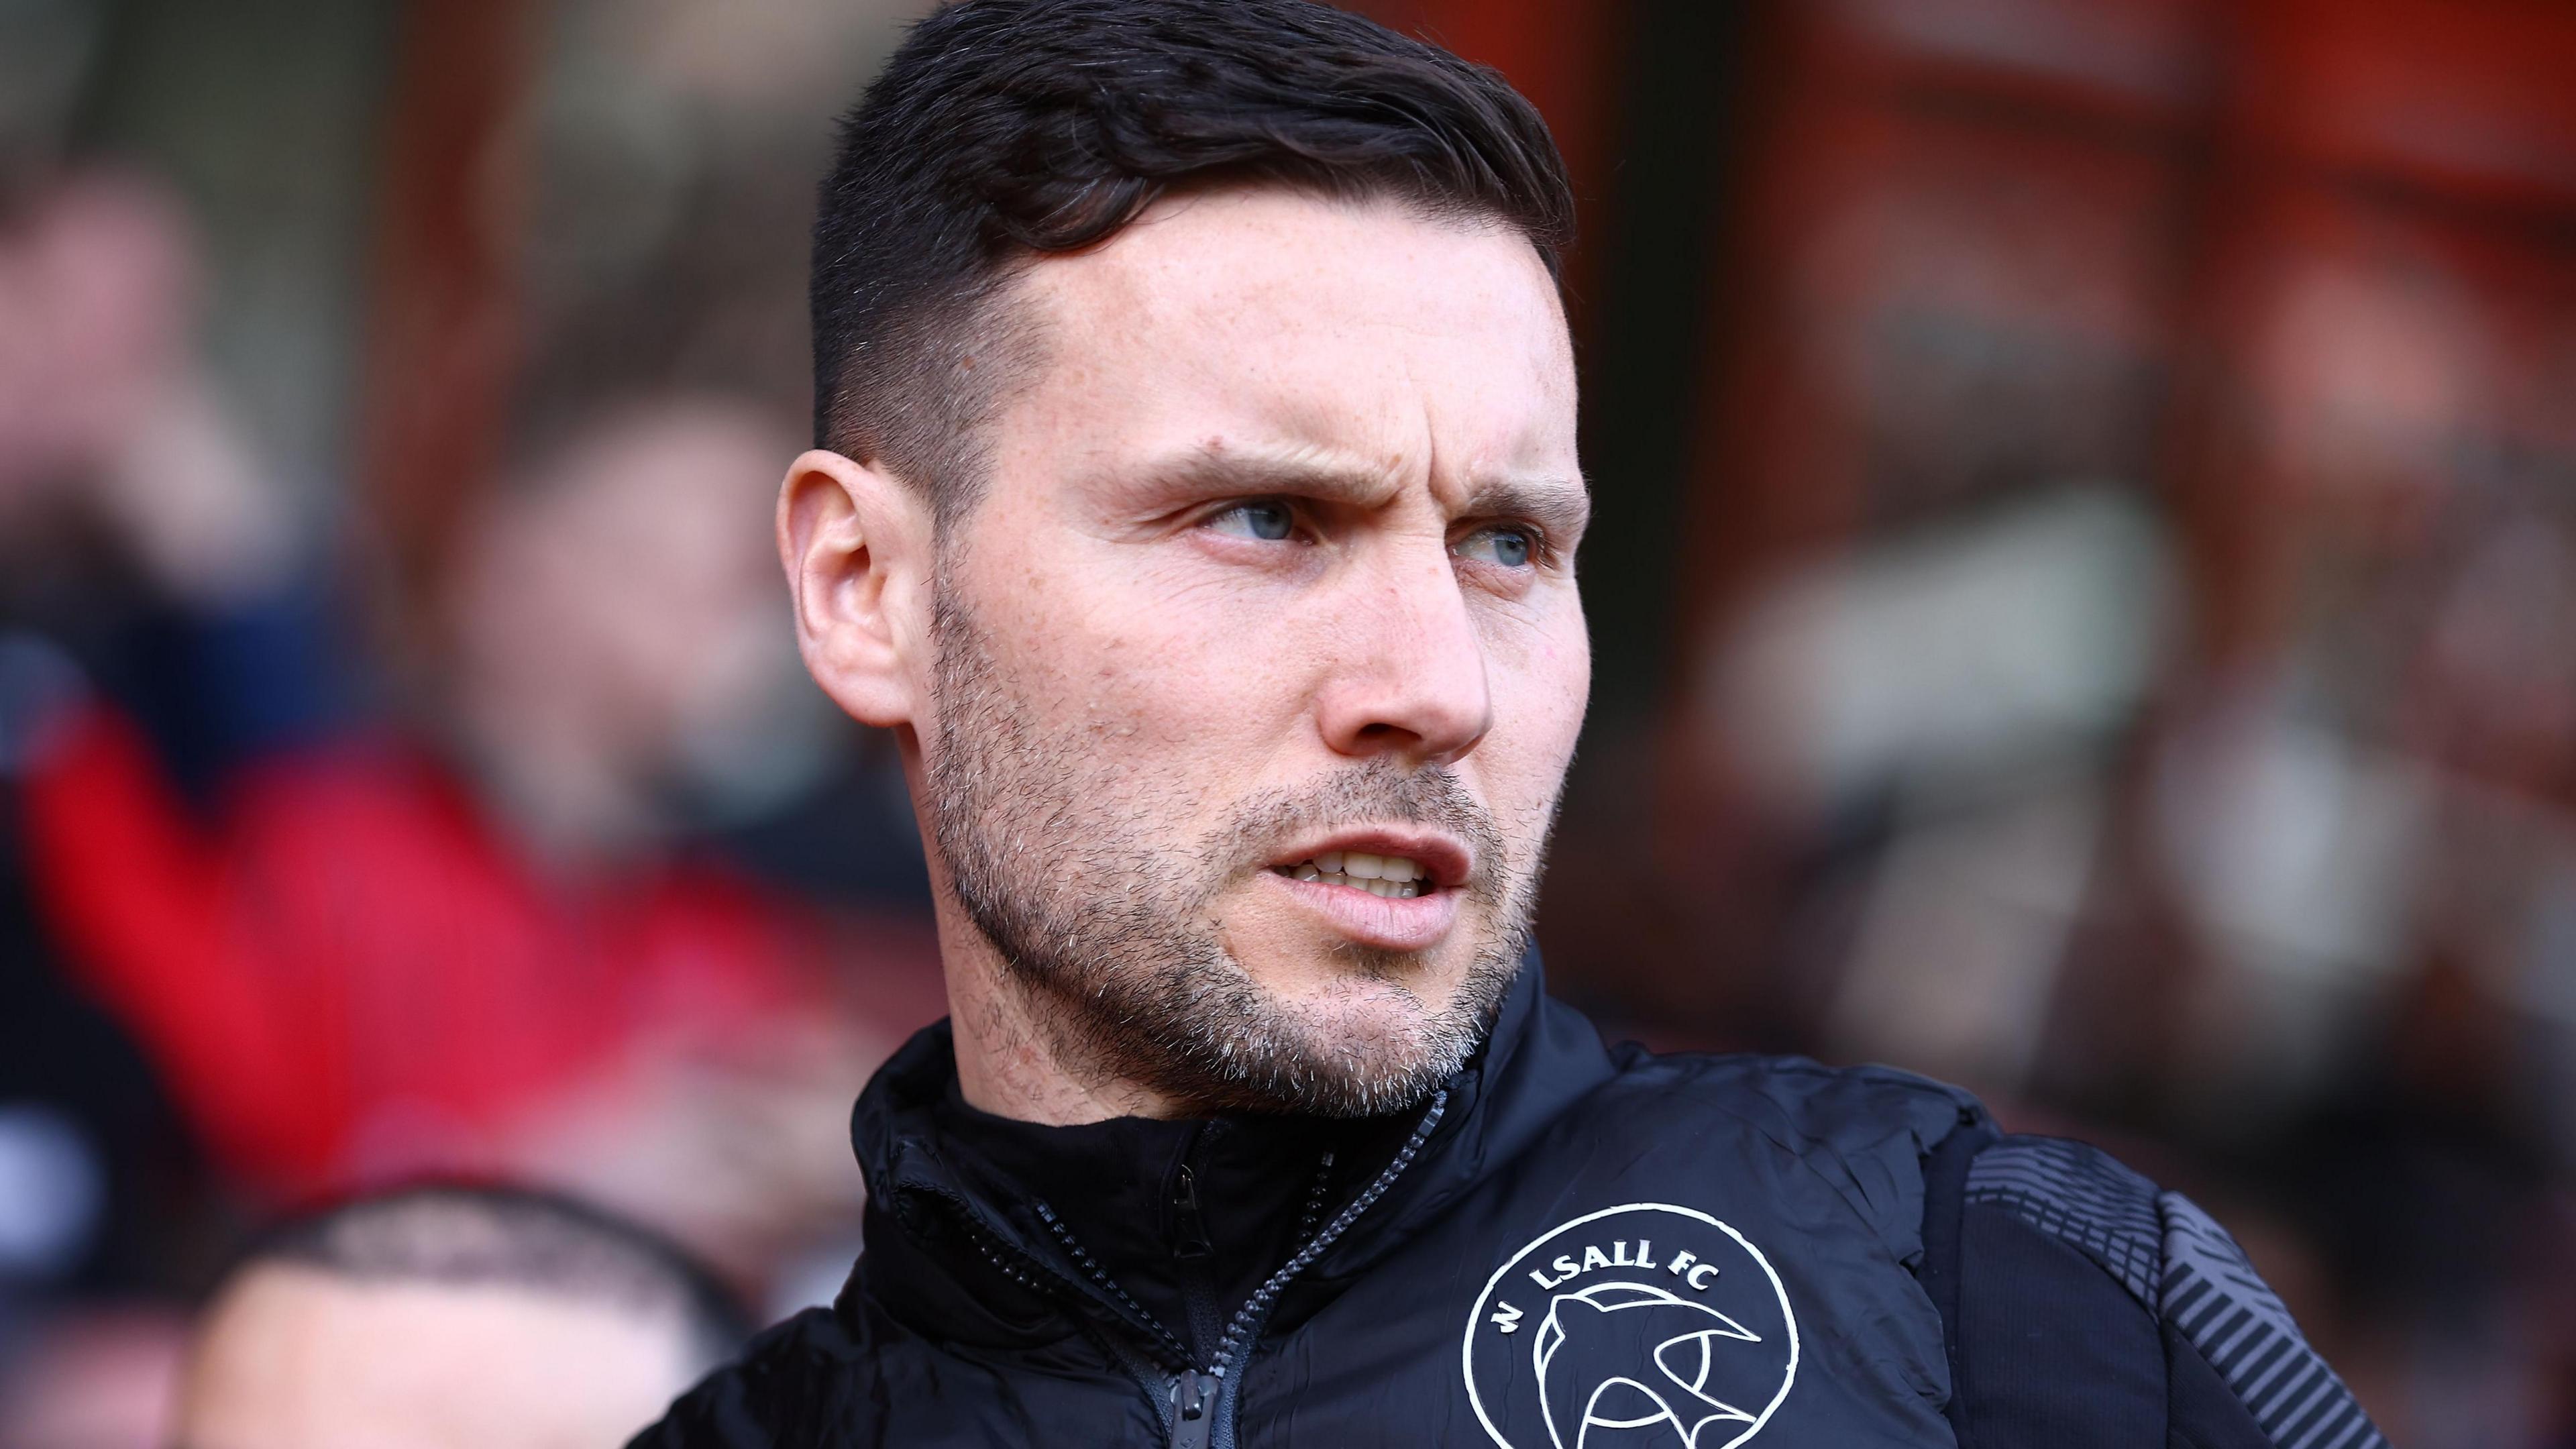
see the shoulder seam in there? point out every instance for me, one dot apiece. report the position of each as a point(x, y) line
point(2082, 1197)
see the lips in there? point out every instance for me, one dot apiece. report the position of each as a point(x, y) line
point(1429, 860)
point(1384, 923)
point(1388, 877)
point(1390, 890)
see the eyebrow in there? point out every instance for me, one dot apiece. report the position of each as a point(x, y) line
point(1562, 506)
point(1300, 473)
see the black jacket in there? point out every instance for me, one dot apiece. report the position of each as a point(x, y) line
point(1567, 1248)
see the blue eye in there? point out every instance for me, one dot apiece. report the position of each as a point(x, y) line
point(1268, 522)
point(1509, 546)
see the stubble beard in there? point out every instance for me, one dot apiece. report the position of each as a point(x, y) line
point(1104, 922)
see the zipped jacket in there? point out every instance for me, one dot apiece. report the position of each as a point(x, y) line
point(1565, 1247)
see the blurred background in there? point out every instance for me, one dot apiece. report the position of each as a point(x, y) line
point(2084, 594)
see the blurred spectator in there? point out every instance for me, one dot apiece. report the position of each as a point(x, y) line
point(98, 1180)
point(450, 1318)
point(359, 952)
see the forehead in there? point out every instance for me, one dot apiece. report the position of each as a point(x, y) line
point(1360, 328)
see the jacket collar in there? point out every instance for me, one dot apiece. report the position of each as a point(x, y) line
point(979, 1229)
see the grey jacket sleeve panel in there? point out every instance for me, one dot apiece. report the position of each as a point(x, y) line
point(2212, 1299)
point(2238, 1373)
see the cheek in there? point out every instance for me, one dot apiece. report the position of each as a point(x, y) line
point(1202, 694)
point(1541, 669)
point(1541, 679)
point(1196, 674)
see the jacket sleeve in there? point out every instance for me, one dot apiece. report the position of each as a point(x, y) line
point(789, 1388)
point(717, 1414)
point(2094, 1308)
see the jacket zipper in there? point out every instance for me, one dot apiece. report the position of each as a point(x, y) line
point(1194, 1397)
point(1037, 1277)
point(1245, 1327)
point(1164, 1338)
point(1190, 1240)
point(1193, 1410)
point(1192, 1253)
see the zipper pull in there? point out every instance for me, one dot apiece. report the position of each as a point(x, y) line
point(1190, 1239)
point(1193, 1410)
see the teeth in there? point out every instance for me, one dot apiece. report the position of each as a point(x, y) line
point(1395, 878)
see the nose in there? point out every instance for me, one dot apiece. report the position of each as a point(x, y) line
point(1410, 677)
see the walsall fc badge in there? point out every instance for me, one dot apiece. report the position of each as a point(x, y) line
point(1647, 1326)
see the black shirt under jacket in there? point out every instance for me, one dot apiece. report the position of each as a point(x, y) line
point(1566, 1247)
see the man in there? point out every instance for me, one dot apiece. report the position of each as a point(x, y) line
point(357, 945)
point(477, 1318)
point(1198, 504)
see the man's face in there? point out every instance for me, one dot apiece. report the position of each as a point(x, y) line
point(1273, 573)
point(297, 1358)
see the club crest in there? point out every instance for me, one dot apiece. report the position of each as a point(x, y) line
point(1647, 1326)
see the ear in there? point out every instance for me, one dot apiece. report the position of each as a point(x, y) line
point(856, 542)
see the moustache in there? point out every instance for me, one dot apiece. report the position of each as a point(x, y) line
point(1378, 792)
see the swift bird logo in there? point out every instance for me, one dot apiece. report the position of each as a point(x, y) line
point(1648, 1326)
point(1640, 1361)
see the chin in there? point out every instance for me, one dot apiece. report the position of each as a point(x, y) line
point(1377, 1014)
point(1332, 1041)
point(1329, 974)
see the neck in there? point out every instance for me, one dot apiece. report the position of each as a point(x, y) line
point(1012, 1058)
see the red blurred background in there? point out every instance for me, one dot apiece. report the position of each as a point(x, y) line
point(2085, 561)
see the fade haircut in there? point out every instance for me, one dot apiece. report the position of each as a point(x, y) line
point(1003, 130)
point(476, 1235)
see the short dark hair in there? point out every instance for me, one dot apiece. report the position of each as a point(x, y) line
point(1003, 129)
point(482, 1234)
